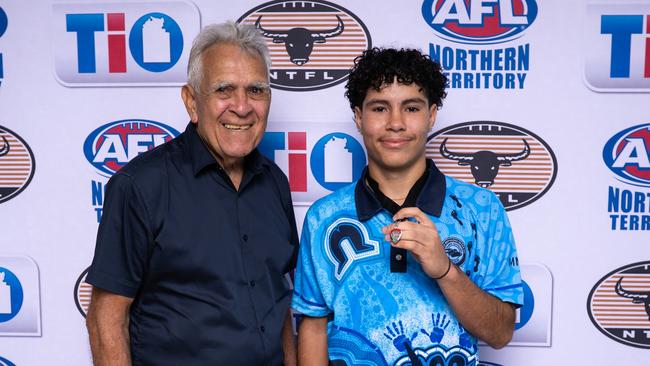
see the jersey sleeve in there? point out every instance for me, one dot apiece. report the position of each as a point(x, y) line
point(499, 272)
point(123, 238)
point(307, 296)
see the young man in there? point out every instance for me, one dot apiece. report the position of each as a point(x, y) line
point(406, 266)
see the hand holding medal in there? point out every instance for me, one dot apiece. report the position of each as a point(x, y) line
point(414, 232)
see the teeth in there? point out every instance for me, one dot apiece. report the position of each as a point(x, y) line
point(236, 127)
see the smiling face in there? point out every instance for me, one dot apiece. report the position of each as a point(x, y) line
point(232, 106)
point(394, 123)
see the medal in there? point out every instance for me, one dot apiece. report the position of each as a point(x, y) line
point(395, 235)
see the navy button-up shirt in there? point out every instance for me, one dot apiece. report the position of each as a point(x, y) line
point(204, 262)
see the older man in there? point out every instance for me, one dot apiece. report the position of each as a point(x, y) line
point(407, 266)
point(197, 234)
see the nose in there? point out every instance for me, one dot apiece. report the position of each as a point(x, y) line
point(396, 122)
point(240, 104)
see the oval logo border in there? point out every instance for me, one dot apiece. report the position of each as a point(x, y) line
point(427, 7)
point(31, 156)
point(518, 128)
point(591, 294)
point(90, 140)
point(333, 5)
point(76, 291)
point(609, 148)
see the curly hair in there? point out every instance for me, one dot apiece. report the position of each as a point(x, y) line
point(380, 66)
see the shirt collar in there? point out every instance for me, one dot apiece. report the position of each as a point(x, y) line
point(429, 200)
point(201, 157)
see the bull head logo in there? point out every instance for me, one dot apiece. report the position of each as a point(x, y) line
point(484, 164)
point(638, 297)
point(5, 148)
point(299, 42)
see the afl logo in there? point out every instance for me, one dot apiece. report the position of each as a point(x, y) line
point(4, 361)
point(479, 22)
point(619, 305)
point(112, 145)
point(82, 292)
point(313, 44)
point(627, 154)
point(17, 164)
point(514, 163)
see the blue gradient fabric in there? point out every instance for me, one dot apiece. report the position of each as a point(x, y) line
point(384, 318)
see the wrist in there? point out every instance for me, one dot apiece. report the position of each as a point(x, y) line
point(444, 274)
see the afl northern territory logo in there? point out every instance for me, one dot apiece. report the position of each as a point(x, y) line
point(619, 305)
point(16, 164)
point(514, 163)
point(82, 291)
point(111, 146)
point(627, 154)
point(313, 44)
point(478, 22)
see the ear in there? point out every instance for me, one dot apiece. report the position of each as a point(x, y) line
point(433, 112)
point(357, 118)
point(189, 99)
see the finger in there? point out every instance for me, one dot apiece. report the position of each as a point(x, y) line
point(425, 235)
point(409, 245)
point(415, 237)
point(415, 213)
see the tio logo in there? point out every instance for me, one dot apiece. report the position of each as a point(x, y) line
point(334, 158)
point(479, 21)
point(526, 311)
point(622, 29)
point(155, 41)
point(11, 295)
point(617, 47)
point(123, 44)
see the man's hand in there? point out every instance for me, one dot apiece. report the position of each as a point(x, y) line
point(421, 239)
point(108, 328)
point(480, 313)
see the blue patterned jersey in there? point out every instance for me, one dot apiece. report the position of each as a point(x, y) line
point(384, 318)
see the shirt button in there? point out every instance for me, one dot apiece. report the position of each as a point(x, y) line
point(245, 237)
point(398, 257)
point(262, 329)
point(252, 283)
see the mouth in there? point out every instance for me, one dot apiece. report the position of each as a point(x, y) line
point(233, 127)
point(394, 141)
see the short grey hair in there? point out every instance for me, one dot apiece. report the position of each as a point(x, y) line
point(242, 35)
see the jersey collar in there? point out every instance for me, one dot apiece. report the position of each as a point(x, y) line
point(429, 200)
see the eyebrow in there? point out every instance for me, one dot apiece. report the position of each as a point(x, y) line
point(256, 84)
point(404, 102)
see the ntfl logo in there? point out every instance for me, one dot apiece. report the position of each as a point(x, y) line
point(618, 47)
point(17, 164)
point(514, 163)
point(313, 44)
point(316, 162)
point(123, 44)
point(479, 21)
point(627, 154)
point(111, 146)
point(619, 305)
point(82, 293)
